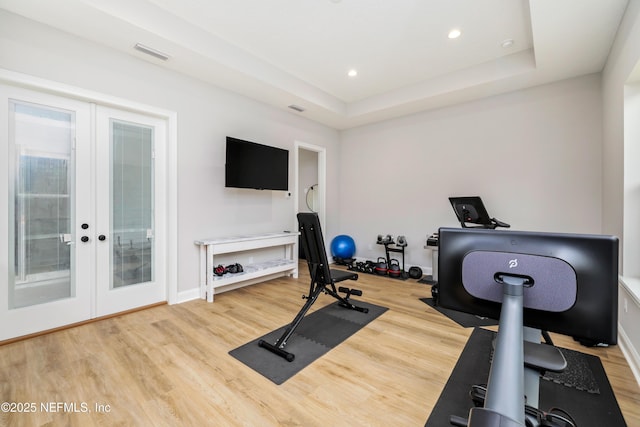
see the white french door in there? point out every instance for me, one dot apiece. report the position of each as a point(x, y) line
point(80, 229)
point(130, 186)
point(46, 142)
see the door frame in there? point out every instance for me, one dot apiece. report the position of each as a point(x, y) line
point(171, 117)
point(322, 180)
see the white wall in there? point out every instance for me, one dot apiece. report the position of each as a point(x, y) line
point(534, 156)
point(206, 115)
point(619, 199)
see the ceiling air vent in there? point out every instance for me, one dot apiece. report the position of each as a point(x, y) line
point(150, 51)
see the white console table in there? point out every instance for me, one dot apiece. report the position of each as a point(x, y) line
point(211, 284)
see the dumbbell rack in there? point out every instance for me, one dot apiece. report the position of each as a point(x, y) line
point(397, 249)
point(389, 246)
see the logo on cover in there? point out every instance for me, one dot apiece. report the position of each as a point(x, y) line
point(513, 263)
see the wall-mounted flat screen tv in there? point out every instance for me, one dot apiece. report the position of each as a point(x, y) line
point(257, 166)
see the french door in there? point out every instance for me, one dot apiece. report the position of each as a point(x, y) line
point(130, 187)
point(80, 228)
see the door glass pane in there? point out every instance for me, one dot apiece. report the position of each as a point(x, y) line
point(132, 223)
point(42, 192)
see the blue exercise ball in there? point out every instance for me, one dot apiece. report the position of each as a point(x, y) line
point(343, 246)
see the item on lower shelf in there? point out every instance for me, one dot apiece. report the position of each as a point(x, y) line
point(219, 270)
point(234, 268)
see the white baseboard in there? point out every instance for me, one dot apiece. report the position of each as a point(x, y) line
point(630, 353)
point(185, 296)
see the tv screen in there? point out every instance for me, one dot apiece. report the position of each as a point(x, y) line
point(573, 276)
point(257, 166)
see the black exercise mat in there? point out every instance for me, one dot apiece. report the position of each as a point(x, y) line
point(465, 320)
point(316, 334)
point(427, 280)
point(587, 409)
point(578, 373)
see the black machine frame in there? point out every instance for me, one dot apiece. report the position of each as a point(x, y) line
point(471, 210)
point(323, 280)
point(476, 265)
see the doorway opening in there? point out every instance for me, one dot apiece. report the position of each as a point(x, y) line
point(310, 181)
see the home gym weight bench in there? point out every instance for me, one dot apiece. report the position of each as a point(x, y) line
point(323, 280)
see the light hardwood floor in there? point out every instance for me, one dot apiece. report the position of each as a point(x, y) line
point(169, 365)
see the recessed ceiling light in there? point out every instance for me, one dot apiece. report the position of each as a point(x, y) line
point(352, 72)
point(507, 43)
point(454, 34)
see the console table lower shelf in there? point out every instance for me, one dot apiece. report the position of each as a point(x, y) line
point(210, 284)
